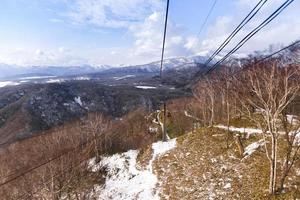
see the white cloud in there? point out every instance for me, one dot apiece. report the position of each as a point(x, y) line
point(29, 57)
point(284, 29)
point(143, 21)
point(110, 13)
point(149, 35)
point(192, 43)
point(39, 52)
point(216, 34)
point(63, 49)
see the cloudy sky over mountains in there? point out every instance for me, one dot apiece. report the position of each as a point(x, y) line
point(114, 32)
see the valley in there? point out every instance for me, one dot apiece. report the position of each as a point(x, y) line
point(103, 132)
point(149, 100)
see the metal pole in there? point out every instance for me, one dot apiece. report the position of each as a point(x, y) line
point(164, 39)
point(164, 136)
point(164, 121)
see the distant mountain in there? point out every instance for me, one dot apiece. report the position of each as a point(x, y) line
point(69, 70)
point(13, 71)
point(154, 67)
point(9, 70)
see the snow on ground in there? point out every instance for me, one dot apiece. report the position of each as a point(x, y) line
point(124, 181)
point(191, 116)
point(82, 78)
point(297, 137)
point(145, 87)
point(253, 147)
point(54, 81)
point(25, 81)
point(7, 83)
point(292, 119)
point(36, 77)
point(78, 100)
point(160, 148)
point(227, 186)
point(249, 131)
point(123, 77)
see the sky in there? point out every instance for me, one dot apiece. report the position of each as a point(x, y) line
point(127, 32)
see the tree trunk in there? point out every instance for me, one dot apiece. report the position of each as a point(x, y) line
point(228, 117)
point(212, 117)
point(284, 174)
point(273, 166)
point(239, 145)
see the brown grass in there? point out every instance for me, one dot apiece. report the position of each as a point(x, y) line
point(201, 167)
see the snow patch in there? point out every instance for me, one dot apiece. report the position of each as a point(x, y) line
point(249, 131)
point(297, 137)
point(78, 100)
point(124, 181)
point(250, 149)
point(25, 81)
point(123, 77)
point(82, 78)
point(227, 186)
point(7, 83)
point(160, 148)
point(36, 77)
point(145, 87)
point(54, 81)
point(292, 119)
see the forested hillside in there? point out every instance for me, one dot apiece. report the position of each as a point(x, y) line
point(236, 137)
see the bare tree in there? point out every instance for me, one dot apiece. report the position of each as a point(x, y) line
point(205, 93)
point(291, 133)
point(96, 127)
point(267, 91)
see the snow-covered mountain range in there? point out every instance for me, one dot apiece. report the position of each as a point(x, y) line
point(14, 71)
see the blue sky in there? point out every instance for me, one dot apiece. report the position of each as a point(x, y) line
point(116, 32)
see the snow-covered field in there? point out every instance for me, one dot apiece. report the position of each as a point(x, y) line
point(145, 87)
point(54, 81)
point(248, 131)
point(82, 78)
point(251, 148)
point(124, 181)
point(117, 78)
point(7, 83)
point(40, 79)
point(36, 77)
point(78, 100)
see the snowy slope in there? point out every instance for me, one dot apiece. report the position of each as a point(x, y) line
point(124, 181)
point(7, 83)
